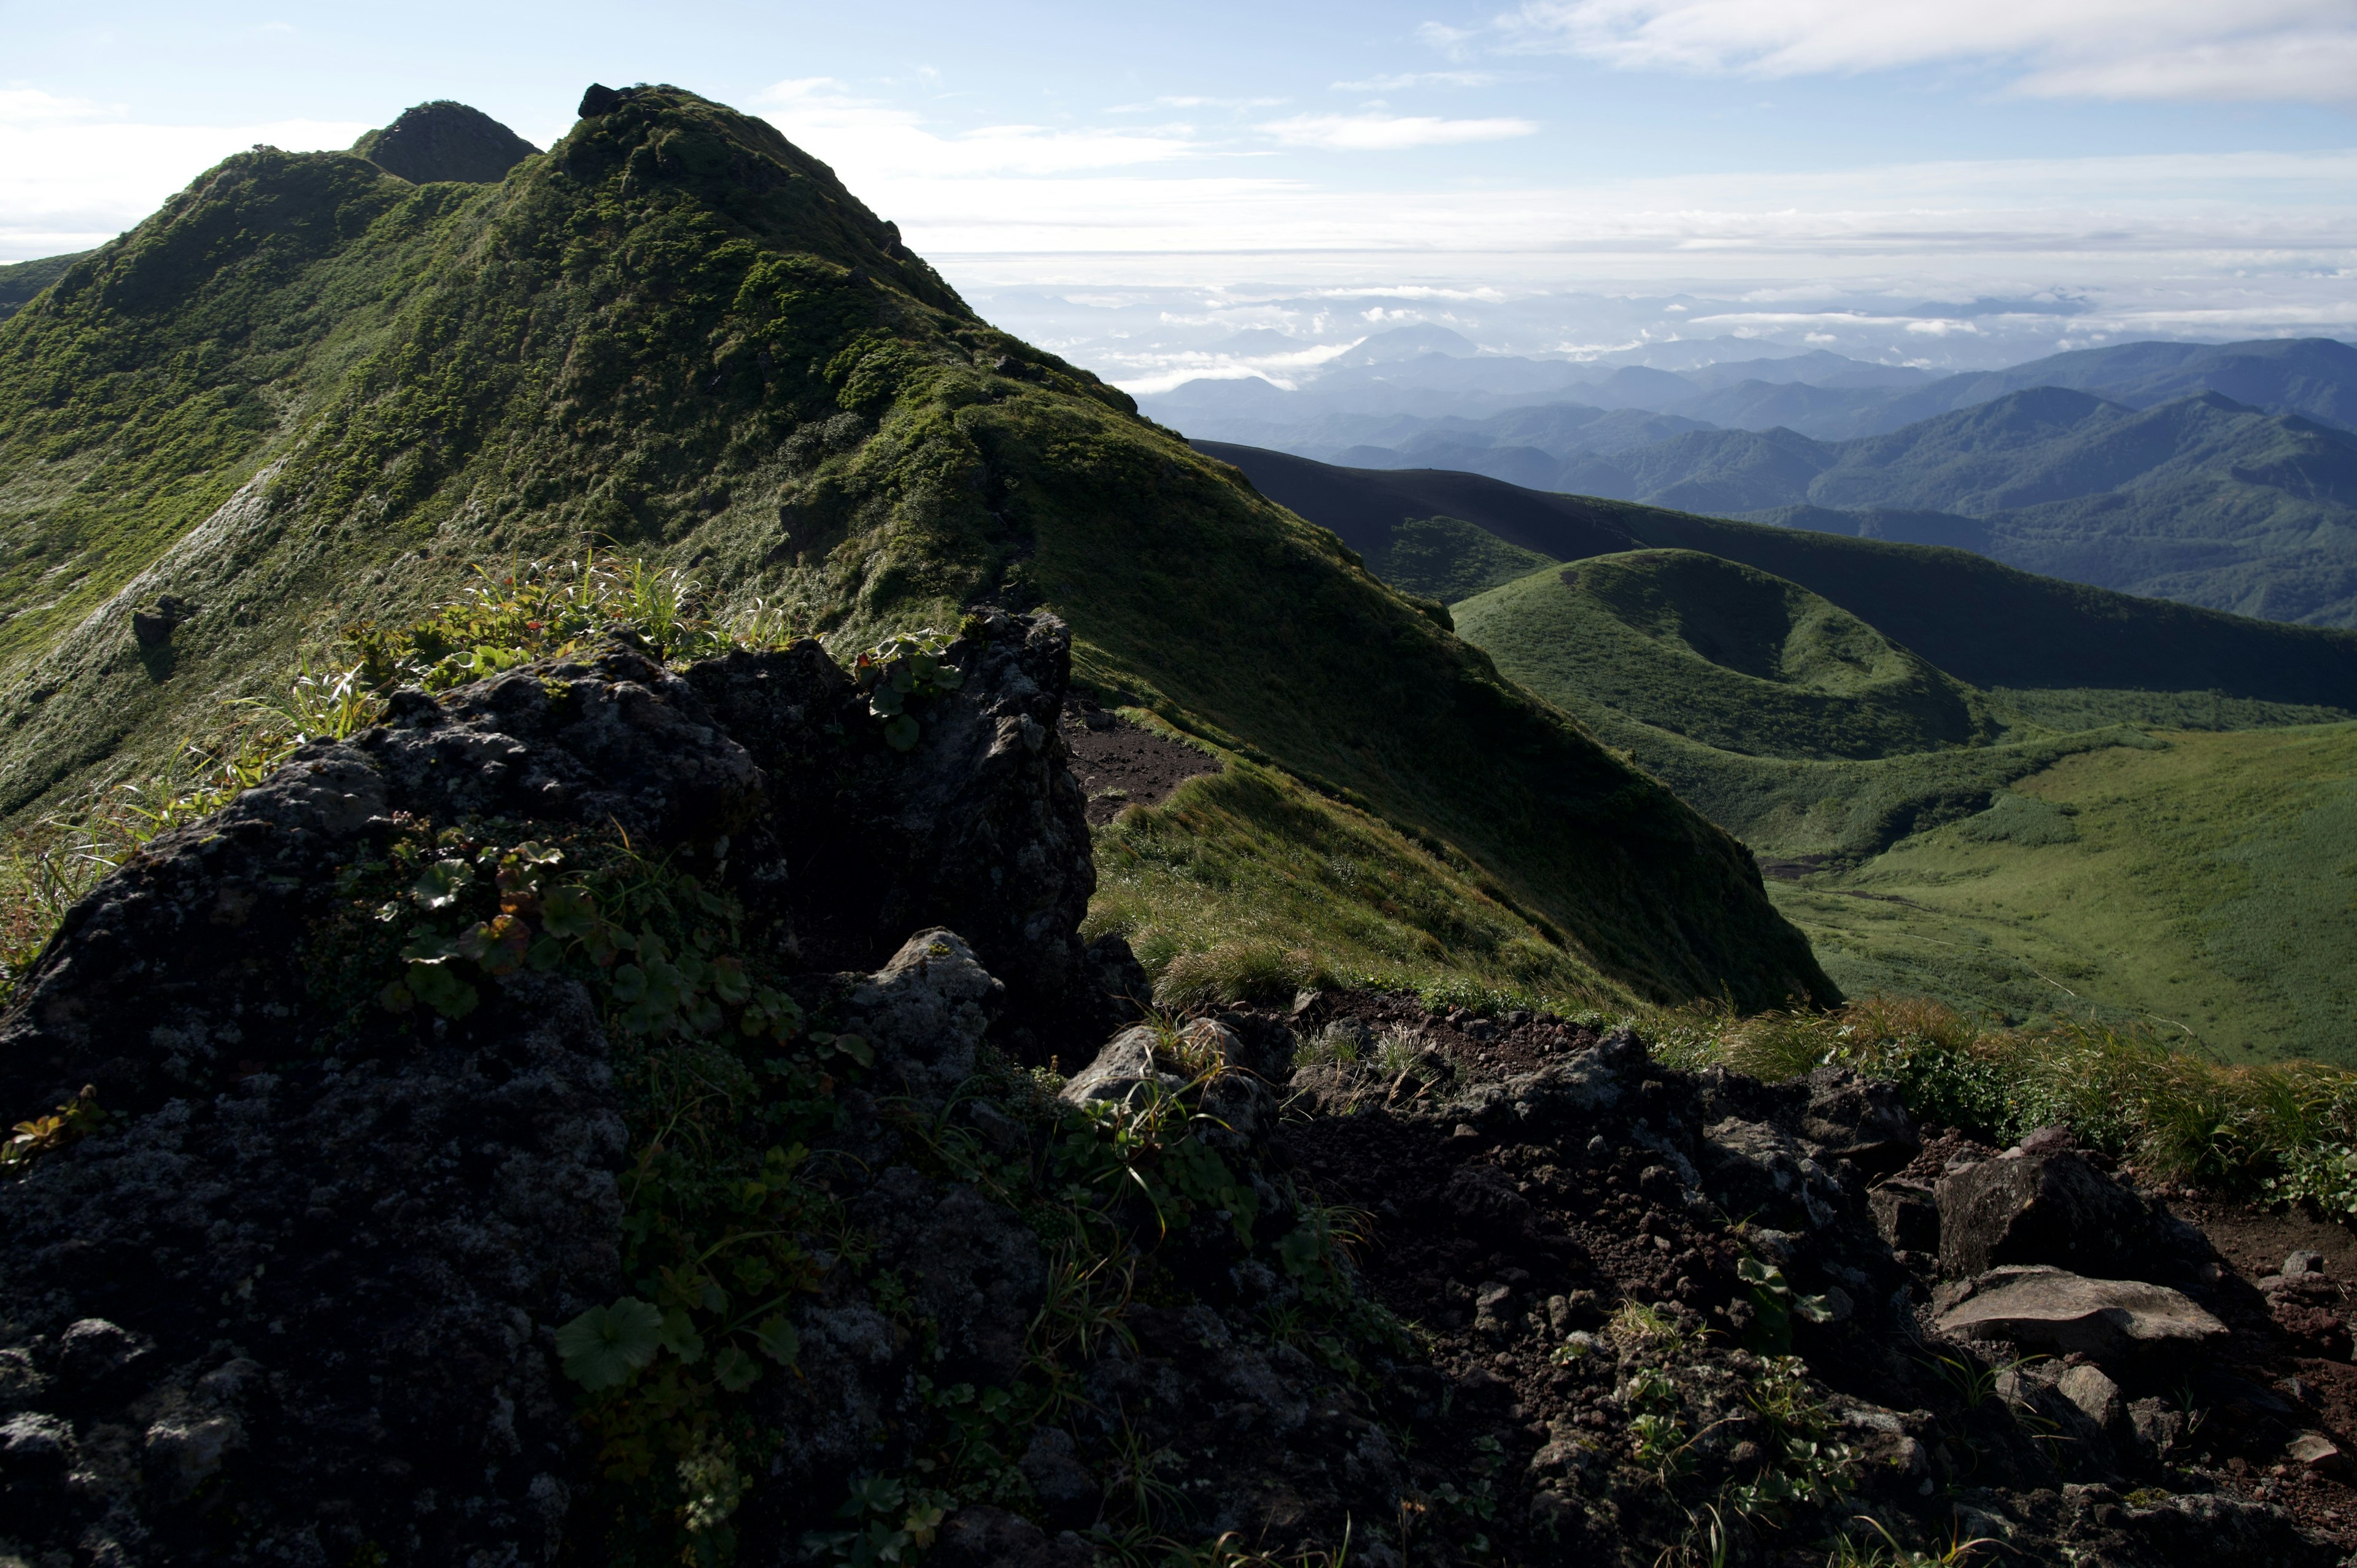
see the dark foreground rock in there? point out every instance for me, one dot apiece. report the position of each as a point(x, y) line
point(693, 1194)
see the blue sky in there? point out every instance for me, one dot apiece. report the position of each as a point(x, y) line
point(2187, 165)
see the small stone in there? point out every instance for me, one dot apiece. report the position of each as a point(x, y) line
point(2303, 1262)
point(1461, 1131)
point(2094, 1393)
point(2314, 1451)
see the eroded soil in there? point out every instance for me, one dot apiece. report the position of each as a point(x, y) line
point(1119, 764)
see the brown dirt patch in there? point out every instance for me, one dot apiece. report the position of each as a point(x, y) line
point(1119, 764)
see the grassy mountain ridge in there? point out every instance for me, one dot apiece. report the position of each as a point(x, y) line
point(2069, 850)
point(442, 140)
point(1987, 624)
point(308, 390)
point(1723, 654)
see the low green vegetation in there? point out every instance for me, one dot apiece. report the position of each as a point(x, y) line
point(2288, 1129)
point(1246, 885)
point(1724, 654)
point(2202, 884)
point(2066, 857)
point(1446, 559)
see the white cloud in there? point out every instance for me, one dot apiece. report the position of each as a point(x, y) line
point(868, 142)
point(1402, 82)
point(1389, 132)
point(2249, 49)
point(74, 174)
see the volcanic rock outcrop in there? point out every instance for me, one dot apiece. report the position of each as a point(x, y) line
point(349, 1242)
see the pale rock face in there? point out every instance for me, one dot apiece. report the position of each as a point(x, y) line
point(2049, 1309)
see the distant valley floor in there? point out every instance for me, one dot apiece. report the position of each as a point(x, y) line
point(2196, 889)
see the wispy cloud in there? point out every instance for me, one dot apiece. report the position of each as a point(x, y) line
point(1389, 132)
point(1403, 80)
point(1191, 100)
point(2253, 49)
point(870, 140)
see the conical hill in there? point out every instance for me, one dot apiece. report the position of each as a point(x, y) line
point(308, 391)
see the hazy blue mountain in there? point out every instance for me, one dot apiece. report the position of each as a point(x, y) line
point(2312, 376)
point(2202, 500)
point(1409, 343)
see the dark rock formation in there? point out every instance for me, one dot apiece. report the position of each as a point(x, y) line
point(442, 140)
point(301, 1292)
point(2053, 1208)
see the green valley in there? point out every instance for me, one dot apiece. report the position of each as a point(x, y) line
point(2031, 800)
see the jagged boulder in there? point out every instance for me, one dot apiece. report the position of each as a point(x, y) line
point(2053, 1208)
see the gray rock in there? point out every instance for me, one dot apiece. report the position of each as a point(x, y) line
point(979, 1536)
point(925, 1011)
point(1062, 1481)
point(1126, 1061)
point(1907, 1215)
point(2314, 1451)
point(2053, 1208)
point(1859, 1119)
point(1756, 1167)
point(2302, 1263)
point(2048, 1309)
point(2095, 1395)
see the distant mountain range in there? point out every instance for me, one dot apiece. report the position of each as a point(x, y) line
point(1395, 384)
point(2223, 477)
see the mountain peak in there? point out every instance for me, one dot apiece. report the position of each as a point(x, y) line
point(445, 141)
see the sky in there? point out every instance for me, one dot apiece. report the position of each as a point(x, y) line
point(1921, 180)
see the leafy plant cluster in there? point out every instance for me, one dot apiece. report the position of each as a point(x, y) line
point(903, 670)
point(1741, 1442)
point(728, 1080)
point(77, 1118)
point(542, 610)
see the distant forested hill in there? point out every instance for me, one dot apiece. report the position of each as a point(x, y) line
point(20, 281)
point(2201, 499)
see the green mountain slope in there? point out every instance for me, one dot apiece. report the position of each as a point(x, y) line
point(309, 390)
point(20, 281)
point(1922, 769)
point(1722, 654)
point(442, 140)
point(1988, 625)
point(2200, 499)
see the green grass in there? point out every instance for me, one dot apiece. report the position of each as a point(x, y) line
point(2197, 882)
point(1246, 885)
point(678, 335)
point(1446, 559)
point(2283, 1129)
point(2205, 888)
point(1729, 656)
